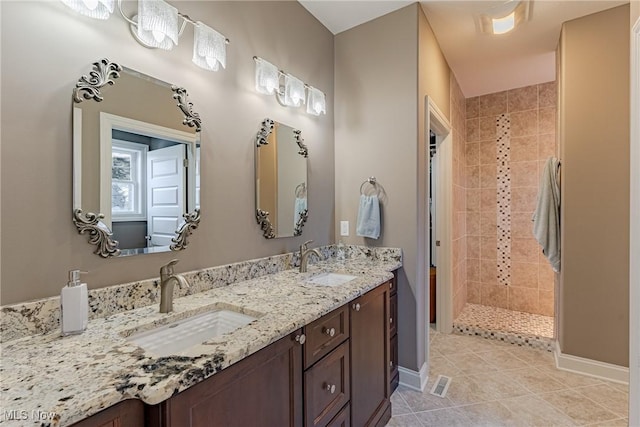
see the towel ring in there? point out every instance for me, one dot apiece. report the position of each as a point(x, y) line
point(371, 180)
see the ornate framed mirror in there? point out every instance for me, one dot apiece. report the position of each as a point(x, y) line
point(281, 180)
point(136, 165)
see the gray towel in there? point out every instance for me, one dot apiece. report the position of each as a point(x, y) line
point(368, 217)
point(546, 218)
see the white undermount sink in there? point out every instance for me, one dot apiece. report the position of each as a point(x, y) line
point(330, 279)
point(182, 334)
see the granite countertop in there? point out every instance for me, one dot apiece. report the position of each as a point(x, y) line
point(71, 378)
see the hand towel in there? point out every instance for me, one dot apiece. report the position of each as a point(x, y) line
point(299, 206)
point(368, 217)
point(546, 218)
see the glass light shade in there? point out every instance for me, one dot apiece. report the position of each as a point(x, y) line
point(316, 103)
point(504, 24)
point(267, 77)
point(293, 91)
point(98, 9)
point(209, 48)
point(157, 24)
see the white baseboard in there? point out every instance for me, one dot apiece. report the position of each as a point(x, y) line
point(412, 379)
point(591, 368)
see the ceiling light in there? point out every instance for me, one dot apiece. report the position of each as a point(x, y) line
point(504, 18)
point(505, 24)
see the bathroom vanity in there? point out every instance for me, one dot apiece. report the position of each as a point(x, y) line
point(315, 355)
point(332, 372)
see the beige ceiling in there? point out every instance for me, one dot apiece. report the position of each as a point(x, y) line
point(482, 63)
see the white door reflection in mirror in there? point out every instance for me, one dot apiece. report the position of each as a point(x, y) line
point(165, 181)
point(145, 172)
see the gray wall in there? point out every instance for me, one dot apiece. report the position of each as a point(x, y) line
point(46, 47)
point(377, 134)
point(594, 149)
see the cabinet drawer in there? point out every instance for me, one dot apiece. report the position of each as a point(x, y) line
point(343, 419)
point(393, 285)
point(324, 334)
point(393, 315)
point(327, 387)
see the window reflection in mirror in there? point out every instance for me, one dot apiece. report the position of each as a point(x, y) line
point(136, 162)
point(148, 182)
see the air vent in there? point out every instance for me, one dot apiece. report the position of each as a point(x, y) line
point(441, 386)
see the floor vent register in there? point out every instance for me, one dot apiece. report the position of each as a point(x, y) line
point(441, 386)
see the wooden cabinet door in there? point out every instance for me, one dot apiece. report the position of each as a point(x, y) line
point(370, 357)
point(129, 413)
point(265, 389)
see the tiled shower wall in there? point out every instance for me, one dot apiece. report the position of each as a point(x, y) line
point(509, 135)
point(459, 237)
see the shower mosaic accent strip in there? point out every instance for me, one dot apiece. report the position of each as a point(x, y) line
point(503, 139)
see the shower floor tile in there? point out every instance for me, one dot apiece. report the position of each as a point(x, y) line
point(531, 330)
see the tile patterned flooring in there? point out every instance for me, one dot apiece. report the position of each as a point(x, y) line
point(499, 384)
point(532, 330)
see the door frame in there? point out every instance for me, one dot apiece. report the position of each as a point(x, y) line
point(108, 122)
point(634, 249)
point(439, 124)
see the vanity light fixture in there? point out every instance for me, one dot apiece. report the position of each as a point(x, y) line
point(157, 26)
point(291, 93)
point(267, 77)
point(209, 48)
point(316, 103)
point(98, 9)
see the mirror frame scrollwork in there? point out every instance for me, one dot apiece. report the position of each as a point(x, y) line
point(262, 216)
point(88, 87)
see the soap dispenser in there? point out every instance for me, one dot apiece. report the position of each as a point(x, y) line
point(74, 305)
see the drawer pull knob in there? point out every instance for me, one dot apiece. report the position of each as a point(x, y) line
point(331, 388)
point(301, 338)
point(390, 285)
point(356, 306)
point(330, 331)
point(391, 364)
point(390, 319)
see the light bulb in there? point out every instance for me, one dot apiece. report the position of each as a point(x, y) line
point(90, 4)
point(158, 35)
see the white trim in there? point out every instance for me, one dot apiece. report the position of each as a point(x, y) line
point(141, 169)
point(412, 379)
point(591, 368)
point(437, 122)
point(77, 158)
point(634, 249)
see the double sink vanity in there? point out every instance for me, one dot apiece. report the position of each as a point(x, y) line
point(256, 343)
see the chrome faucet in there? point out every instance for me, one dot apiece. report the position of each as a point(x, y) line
point(304, 255)
point(167, 280)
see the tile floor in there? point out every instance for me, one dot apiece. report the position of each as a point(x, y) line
point(525, 329)
point(500, 384)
